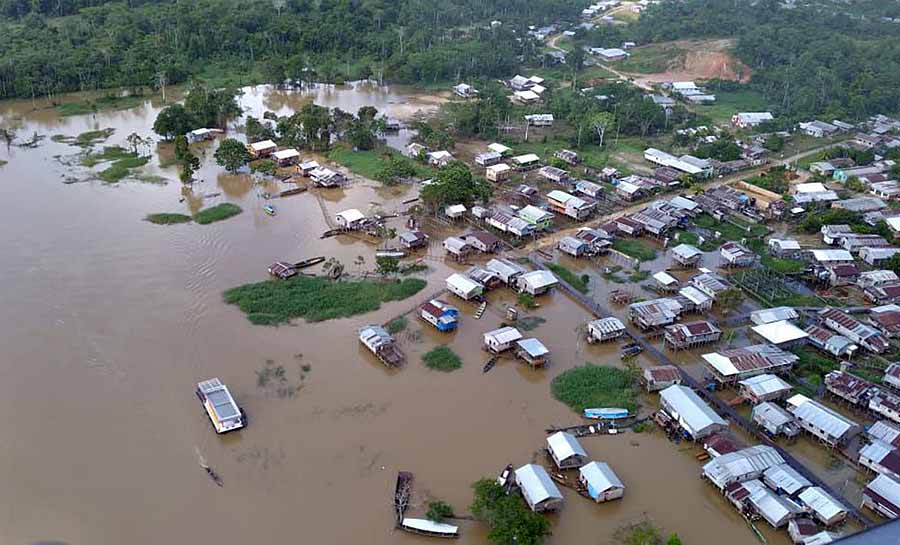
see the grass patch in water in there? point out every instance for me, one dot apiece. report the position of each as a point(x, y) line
point(397, 325)
point(108, 102)
point(638, 276)
point(442, 359)
point(89, 138)
point(594, 386)
point(167, 218)
point(529, 323)
point(635, 248)
point(580, 283)
point(109, 153)
point(122, 167)
point(275, 302)
point(216, 213)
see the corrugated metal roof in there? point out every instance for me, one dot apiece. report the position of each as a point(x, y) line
point(686, 251)
point(763, 385)
point(504, 335)
point(464, 283)
point(776, 314)
point(886, 488)
point(784, 477)
point(665, 278)
point(539, 279)
point(821, 503)
point(876, 451)
point(749, 359)
point(607, 325)
point(820, 416)
point(831, 255)
point(564, 445)
point(737, 466)
point(534, 347)
point(600, 476)
point(538, 485)
point(694, 295)
point(885, 432)
point(772, 413)
point(692, 412)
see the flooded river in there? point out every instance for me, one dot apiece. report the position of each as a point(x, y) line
point(109, 322)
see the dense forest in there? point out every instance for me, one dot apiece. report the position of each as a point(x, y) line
point(834, 59)
point(52, 46)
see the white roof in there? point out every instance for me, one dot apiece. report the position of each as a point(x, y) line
point(812, 187)
point(539, 279)
point(775, 314)
point(772, 413)
point(504, 335)
point(265, 144)
point(534, 347)
point(737, 466)
point(201, 132)
point(286, 153)
point(538, 89)
point(786, 243)
point(693, 413)
point(694, 295)
point(821, 502)
point(600, 476)
point(564, 445)
point(832, 255)
point(755, 117)
point(786, 478)
point(686, 251)
point(884, 431)
point(455, 209)
point(876, 451)
point(665, 278)
point(499, 148)
point(534, 213)
point(887, 488)
point(893, 222)
point(442, 154)
point(819, 415)
point(762, 385)
point(780, 332)
point(534, 479)
point(352, 215)
point(426, 525)
point(527, 95)
point(464, 283)
point(504, 267)
point(610, 324)
point(627, 187)
point(684, 203)
point(527, 158)
point(499, 167)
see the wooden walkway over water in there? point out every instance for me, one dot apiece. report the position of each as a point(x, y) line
point(724, 409)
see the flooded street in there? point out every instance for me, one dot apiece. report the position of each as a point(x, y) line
point(110, 321)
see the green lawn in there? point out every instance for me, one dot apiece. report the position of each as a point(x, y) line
point(109, 102)
point(316, 299)
point(370, 162)
point(729, 231)
point(729, 103)
point(635, 248)
point(650, 59)
point(595, 386)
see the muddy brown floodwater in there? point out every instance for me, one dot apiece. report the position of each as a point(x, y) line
point(108, 323)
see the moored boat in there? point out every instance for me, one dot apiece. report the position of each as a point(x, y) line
point(402, 493)
point(220, 406)
point(269, 209)
point(606, 413)
point(309, 262)
point(428, 528)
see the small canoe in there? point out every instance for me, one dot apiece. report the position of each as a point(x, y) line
point(387, 252)
point(607, 413)
point(269, 209)
point(309, 262)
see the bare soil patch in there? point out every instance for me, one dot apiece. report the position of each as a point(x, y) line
point(699, 60)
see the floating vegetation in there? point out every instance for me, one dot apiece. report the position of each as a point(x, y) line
point(273, 378)
point(216, 213)
point(89, 138)
point(397, 325)
point(595, 386)
point(168, 218)
point(316, 299)
point(529, 323)
point(442, 359)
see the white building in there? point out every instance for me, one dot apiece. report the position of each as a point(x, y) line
point(464, 287)
point(693, 415)
point(601, 482)
point(500, 340)
point(539, 491)
point(822, 422)
point(536, 282)
point(740, 466)
point(566, 451)
point(747, 120)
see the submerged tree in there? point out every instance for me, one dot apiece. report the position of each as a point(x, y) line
point(232, 155)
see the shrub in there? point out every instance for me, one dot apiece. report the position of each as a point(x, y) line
point(442, 359)
point(438, 511)
point(216, 213)
point(595, 386)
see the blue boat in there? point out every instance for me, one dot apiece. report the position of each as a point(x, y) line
point(606, 413)
point(269, 209)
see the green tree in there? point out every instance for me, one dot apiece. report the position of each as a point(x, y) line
point(510, 521)
point(360, 136)
point(674, 540)
point(454, 184)
point(172, 121)
point(774, 143)
point(855, 184)
point(729, 299)
point(182, 149)
point(189, 166)
point(232, 155)
point(367, 114)
point(438, 511)
point(257, 131)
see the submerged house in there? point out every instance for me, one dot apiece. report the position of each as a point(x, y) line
point(830, 342)
point(532, 351)
point(351, 219)
point(740, 466)
point(566, 451)
point(501, 340)
point(536, 282)
point(774, 420)
point(882, 495)
point(464, 287)
point(442, 315)
point(861, 334)
point(691, 413)
point(655, 313)
point(605, 329)
point(601, 482)
point(689, 335)
point(539, 491)
point(380, 343)
point(786, 480)
point(686, 255)
point(730, 366)
point(764, 388)
point(822, 506)
point(827, 425)
point(508, 271)
point(262, 149)
point(660, 377)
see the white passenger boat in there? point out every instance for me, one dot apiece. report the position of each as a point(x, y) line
point(223, 411)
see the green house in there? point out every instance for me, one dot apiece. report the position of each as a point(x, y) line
point(538, 218)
